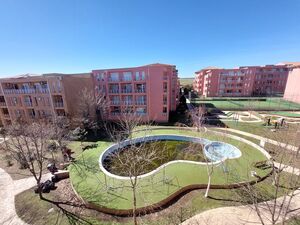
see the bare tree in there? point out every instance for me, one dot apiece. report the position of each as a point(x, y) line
point(92, 109)
point(133, 162)
point(27, 144)
point(275, 205)
point(197, 116)
point(212, 157)
point(125, 124)
point(251, 106)
point(61, 134)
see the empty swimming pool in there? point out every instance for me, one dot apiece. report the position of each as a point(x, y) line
point(217, 151)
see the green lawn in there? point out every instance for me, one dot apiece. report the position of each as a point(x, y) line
point(286, 135)
point(91, 183)
point(235, 104)
point(36, 212)
point(283, 113)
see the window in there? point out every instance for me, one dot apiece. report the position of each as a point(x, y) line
point(137, 75)
point(165, 99)
point(127, 76)
point(143, 75)
point(165, 86)
point(141, 110)
point(114, 76)
point(164, 109)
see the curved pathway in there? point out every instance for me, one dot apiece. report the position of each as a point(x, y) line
point(219, 216)
point(283, 145)
point(239, 115)
point(245, 215)
point(8, 189)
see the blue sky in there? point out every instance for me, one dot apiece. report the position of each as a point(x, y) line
point(40, 36)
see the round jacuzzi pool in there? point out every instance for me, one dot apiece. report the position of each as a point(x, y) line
point(217, 151)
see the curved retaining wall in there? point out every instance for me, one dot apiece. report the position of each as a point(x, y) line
point(171, 198)
point(167, 201)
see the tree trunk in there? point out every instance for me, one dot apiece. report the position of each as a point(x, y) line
point(208, 186)
point(134, 207)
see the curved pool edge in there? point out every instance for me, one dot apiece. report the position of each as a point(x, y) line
point(160, 204)
point(198, 140)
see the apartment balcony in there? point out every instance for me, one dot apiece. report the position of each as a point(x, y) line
point(128, 102)
point(26, 91)
point(126, 90)
point(58, 104)
point(140, 102)
point(141, 113)
point(114, 91)
point(113, 80)
point(139, 78)
point(28, 104)
point(142, 90)
point(127, 79)
point(2, 104)
point(115, 102)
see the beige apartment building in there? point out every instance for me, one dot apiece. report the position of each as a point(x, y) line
point(150, 91)
point(29, 97)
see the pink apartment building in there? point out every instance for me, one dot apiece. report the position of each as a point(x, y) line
point(292, 90)
point(243, 81)
point(30, 97)
point(150, 91)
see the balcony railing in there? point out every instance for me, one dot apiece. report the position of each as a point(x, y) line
point(140, 102)
point(113, 90)
point(26, 91)
point(141, 113)
point(140, 78)
point(113, 79)
point(28, 104)
point(128, 102)
point(126, 79)
point(2, 103)
point(142, 90)
point(115, 102)
point(126, 90)
point(58, 104)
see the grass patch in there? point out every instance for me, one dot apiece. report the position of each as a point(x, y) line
point(35, 211)
point(246, 104)
point(283, 113)
point(285, 135)
point(164, 151)
point(95, 187)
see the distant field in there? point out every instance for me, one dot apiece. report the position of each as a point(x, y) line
point(290, 114)
point(275, 104)
point(186, 81)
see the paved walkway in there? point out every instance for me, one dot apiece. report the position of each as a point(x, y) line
point(283, 145)
point(246, 215)
point(8, 189)
point(239, 115)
